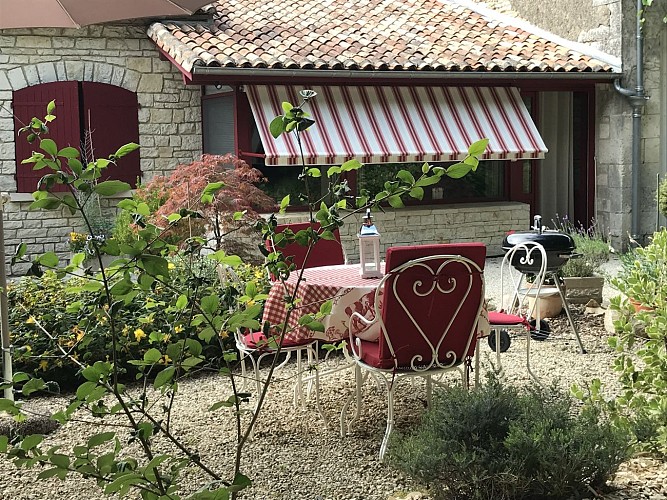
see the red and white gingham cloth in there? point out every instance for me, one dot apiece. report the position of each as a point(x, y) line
point(341, 284)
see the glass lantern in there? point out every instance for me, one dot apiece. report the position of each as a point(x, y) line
point(369, 249)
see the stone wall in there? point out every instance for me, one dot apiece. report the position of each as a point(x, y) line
point(614, 131)
point(484, 222)
point(121, 55)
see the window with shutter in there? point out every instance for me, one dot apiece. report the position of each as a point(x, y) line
point(95, 118)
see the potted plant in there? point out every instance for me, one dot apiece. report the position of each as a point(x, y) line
point(582, 275)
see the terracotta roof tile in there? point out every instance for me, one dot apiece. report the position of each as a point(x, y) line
point(413, 35)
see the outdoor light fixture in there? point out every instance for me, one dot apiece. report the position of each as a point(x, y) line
point(369, 248)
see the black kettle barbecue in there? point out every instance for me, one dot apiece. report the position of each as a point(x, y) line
point(559, 248)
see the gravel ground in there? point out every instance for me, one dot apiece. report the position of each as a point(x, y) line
point(294, 456)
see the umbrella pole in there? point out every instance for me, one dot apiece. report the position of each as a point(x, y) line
point(4, 309)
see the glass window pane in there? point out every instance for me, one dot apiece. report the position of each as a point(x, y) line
point(487, 183)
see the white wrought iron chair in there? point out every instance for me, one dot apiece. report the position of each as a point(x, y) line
point(255, 346)
point(431, 301)
point(519, 310)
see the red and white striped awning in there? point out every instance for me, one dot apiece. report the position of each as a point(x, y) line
point(398, 124)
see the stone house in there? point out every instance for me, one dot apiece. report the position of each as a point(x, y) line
point(611, 25)
point(208, 84)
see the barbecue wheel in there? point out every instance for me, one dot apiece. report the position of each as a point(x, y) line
point(542, 333)
point(505, 340)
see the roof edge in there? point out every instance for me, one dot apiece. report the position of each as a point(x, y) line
point(582, 48)
point(217, 71)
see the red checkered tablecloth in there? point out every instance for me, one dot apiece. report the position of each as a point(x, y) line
point(343, 285)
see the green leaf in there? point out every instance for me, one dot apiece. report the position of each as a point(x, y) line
point(127, 204)
point(349, 165)
point(287, 107)
point(109, 188)
point(472, 161)
point(406, 176)
point(182, 302)
point(284, 203)
point(315, 326)
point(55, 471)
point(427, 181)
point(417, 193)
point(395, 201)
point(69, 153)
point(333, 170)
point(84, 390)
point(20, 377)
point(477, 148)
point(100, 438)
point(152, 356)
point(49, 203)
point(21, 250)
point(126, 149)
point(49, 146)
point(143, 209)
point(326, 308)
point(123, 287)
point(31, 441)
point(51, 107)
point(210, 304)
point(277, 127)
point(76, 167)
point(313, 172)
point(458, 170)
point(240, 482)
point(4, 440)
point(155, 266)
point(49, 259)
point(210, 190)
point(164, 377)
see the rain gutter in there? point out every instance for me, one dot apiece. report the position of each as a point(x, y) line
point(336, 74)
point(637, 99)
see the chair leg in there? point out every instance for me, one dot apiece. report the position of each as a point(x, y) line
point(298, 388)
point(429, 389)
point(390, 419)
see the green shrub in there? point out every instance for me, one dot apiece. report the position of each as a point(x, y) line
point(641, 347)
point(77, 320)
point(500, 442)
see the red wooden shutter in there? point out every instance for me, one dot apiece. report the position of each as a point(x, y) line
point(111, 114)
point(65, 129)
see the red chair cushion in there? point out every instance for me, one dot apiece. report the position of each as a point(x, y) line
point(501, 318)
point(370, 355)
point(257, 340)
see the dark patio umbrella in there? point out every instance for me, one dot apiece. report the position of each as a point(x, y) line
point(77, 13)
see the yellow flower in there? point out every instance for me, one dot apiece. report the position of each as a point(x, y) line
point(139, 334)
point(44, 364)
point(166, 337)
point(178, 328)
point(30, 320)
point(126, 330)
point(165, 359)
point(171, 265)
point(223, 334)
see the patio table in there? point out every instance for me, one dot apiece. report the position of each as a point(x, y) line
point(342, 284)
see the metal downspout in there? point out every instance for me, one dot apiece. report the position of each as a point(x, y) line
point(637, 99)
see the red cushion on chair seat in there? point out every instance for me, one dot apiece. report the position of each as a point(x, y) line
point(501, 318)
point(257, 340)
point(370, 354)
